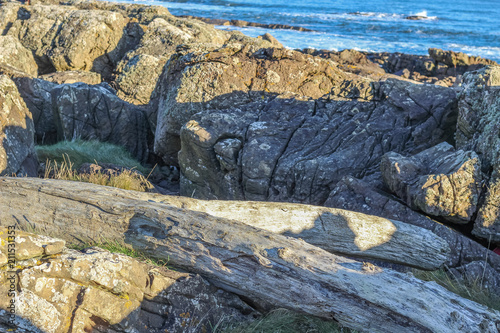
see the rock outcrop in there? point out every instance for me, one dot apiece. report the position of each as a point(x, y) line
point(438, 181)
point(96, 113)
point(14, 54)
point(61, 290)
point(289, 148)
point(17, 148)
point(477, 129)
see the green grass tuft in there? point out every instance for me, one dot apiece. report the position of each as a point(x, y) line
point(472, 290)
point(283, 321)
point(80, 152)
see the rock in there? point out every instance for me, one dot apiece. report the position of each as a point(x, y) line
point(69, 77)
point(14, 54)
point(8, 14)
point(241, 23)
point(458, 59)
point(64, 38)
point(94, 290)
point(438, 181)
point(477, 129)
point(36, 94)
point(200, 78)
point(254, 263)
point(26, 245)
point(96, 113)
point(466, 255)
point(295, 149)
point(17, 149)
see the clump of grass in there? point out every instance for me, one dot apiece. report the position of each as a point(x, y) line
point(126, 179)
point(116, 247)
point(472, 289)
point(80, 152)
point(282, 321)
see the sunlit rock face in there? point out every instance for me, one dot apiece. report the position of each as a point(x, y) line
point(59, 290)
point(438, 181)
point(17, 150)
point(478, 129)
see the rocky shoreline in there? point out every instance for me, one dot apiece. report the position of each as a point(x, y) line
point(359, 150)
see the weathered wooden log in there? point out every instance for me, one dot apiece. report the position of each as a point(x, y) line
point(251, 262)
point(334, 230)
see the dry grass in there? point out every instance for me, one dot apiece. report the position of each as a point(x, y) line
point(126, 179)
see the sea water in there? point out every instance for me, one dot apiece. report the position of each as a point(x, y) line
point(469, 26)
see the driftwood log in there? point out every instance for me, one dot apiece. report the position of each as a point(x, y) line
point(251, 262)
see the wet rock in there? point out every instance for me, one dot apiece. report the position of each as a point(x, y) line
point(438, 181)
point(14, 54)
point(292, 148)
point(17, 149)
point(96, 113)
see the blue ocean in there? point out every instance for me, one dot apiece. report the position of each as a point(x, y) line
point(469, 26)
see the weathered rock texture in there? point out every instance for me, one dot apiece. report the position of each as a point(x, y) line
point(13, 53)
point(252, 262)
point(438, 181)
point(94, 291)
point(468, 259)
point(478, 129)
point(66, 38)
point(17, 149)
point(201, 78)
point(290, 148)
point(95, 112)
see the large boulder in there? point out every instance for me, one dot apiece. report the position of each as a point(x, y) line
point(94, 290)
point(198, 78)
point(96, 113)
point(438, 181)
point(17, 149)
point(14, 54)
point(290, 148)
point(478, 130)
point(66, 38)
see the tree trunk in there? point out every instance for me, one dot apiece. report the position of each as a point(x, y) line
point(251, 262)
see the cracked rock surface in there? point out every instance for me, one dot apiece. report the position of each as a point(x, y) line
point(61, 290)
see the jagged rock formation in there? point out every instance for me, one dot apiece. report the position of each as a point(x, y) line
point(17, 149)
point(61, 290)
point(288, 148)
point(477, 130)
point(14, 54)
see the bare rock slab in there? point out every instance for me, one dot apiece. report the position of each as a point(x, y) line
point(438, 181)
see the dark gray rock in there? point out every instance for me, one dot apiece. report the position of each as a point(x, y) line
point(292, 148)
point(468, 259)
point(17, 148)
point(96, 113)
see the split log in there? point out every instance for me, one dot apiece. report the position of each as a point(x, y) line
point(251, 262)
